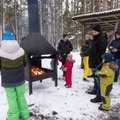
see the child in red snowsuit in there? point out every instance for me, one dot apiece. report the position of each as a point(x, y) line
point(68, 70)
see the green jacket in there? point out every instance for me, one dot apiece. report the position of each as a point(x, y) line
point(12, 62)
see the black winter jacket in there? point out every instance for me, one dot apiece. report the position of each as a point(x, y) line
point(64, 47)
point(85, 50)
point(116, 44)
point(98, 48)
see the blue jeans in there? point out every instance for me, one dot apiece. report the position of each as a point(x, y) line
point(96, 82)
point(117, 61)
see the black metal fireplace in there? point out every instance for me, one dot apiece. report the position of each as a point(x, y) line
point(37, 49)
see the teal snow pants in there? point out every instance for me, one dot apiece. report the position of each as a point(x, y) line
point(17, 103)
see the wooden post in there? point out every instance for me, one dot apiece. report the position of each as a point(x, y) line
point(83, 36)
point(55, 71)
point(115, 29)
point(29, 77)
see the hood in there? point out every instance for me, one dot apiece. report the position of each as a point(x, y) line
point(10, 46)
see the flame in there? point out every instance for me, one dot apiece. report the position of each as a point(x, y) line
point(37, 71)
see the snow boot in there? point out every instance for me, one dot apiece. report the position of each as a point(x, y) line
point(68, 86)
point(96, 99)
point(93, 92)
point(86, 80)
point(102, 109)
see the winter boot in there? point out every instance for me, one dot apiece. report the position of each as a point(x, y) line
point(102, 109)
point(86, 80)
point(96, 99)
point(68, 86)
point(93, 92)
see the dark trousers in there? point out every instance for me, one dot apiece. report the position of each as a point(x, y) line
point(117, 61)
point(96, 83)
point(64, 57)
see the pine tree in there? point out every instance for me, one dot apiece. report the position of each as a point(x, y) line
point(67, 21)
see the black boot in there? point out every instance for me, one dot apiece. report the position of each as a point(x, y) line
point(96, 99)
point(101, 109)
point(93, 92)
point(86, 80)
point(91, 76)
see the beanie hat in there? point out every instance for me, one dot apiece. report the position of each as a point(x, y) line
point(118, 33)
point(8, 36)
point(97, 28)
point(108, 57)
point(64, 35)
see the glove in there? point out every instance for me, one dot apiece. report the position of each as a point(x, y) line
point(62, 67)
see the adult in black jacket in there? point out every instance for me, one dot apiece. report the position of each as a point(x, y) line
point(115, 50)
point(64, 48)
point(98, 48)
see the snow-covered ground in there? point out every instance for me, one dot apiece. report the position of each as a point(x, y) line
point(59, 103)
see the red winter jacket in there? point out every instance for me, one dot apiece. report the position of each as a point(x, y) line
point(68, 73)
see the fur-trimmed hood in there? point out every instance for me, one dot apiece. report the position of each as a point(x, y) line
point(10, 49)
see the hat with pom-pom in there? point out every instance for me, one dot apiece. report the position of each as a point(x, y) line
point(8, 36)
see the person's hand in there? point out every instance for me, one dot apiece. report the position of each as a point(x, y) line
point(62, 67)
point(114, 50)
point(65, 69)
point(111, 47)
point(102, 75)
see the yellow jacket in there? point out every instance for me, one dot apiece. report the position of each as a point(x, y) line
point(108, 72)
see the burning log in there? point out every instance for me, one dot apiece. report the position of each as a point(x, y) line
point(37, 71)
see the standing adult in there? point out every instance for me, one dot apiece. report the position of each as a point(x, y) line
point(98, 48)
point(115, 50)
point(64, 48)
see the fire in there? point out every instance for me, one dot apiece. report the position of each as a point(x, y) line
point(37, 71)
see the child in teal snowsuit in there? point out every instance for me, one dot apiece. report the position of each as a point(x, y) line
point(12, 62)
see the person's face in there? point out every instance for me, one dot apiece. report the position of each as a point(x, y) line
point(95, 33)
point(87, 37)
point(117, 36)
point(66, 38)
point(69, 57)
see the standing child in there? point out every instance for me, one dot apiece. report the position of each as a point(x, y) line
point(68, 70)
point(12, 62)
point(106, 75)
point(85, 54)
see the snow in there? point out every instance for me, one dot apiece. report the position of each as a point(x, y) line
point(97, 13)
point(69, 103)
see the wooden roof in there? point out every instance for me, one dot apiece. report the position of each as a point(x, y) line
point(106, 19)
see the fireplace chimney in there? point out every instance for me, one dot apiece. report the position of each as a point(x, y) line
point(33, 13)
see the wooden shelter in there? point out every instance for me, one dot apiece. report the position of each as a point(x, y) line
point(109, 20)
